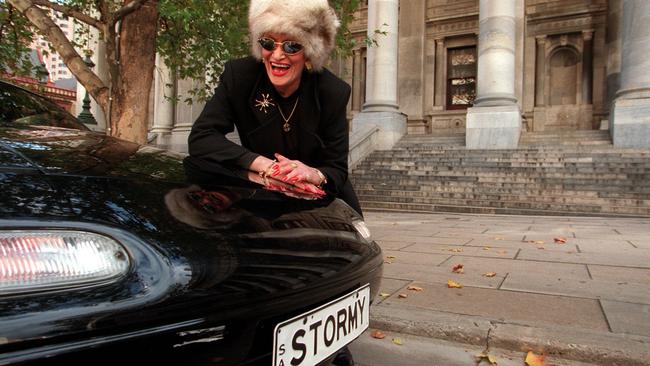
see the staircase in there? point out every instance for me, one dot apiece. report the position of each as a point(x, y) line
point(572, 173)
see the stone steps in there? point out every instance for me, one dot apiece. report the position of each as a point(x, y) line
point(508, 197)
point(577, 173)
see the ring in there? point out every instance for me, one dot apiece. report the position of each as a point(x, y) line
point(294, 165)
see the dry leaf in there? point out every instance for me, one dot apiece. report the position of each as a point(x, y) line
point(541, 248)
point(453, 284)
point(397, 341)
point(414, 288)
point(486, 248)
point(378, 334)
point(487, 357)
point(560, 240)
point(539, 241)
point(458, 268)
point(498, 238)
point(402, 296)
point(535, 360)
point(456, 250)
point(490, 274)
point(384, 294)
point(388, 262)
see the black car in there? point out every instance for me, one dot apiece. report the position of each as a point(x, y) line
point(115, 252)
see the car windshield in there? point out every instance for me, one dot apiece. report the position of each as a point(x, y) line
point(19, 107)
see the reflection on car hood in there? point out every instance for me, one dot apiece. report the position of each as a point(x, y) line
point(56, 150)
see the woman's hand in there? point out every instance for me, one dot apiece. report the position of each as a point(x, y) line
point(297, 173)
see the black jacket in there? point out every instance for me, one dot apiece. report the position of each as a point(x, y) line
point(323, 133)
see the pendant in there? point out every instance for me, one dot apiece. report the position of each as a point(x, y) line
point(286, 127)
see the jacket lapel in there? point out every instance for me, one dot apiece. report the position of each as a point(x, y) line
point(309, 116)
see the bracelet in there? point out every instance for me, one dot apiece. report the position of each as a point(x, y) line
point(265, 172)
point(321, 176)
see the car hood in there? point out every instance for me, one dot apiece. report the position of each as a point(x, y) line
point(220, 241)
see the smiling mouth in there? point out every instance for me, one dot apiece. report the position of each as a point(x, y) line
point(279, 69)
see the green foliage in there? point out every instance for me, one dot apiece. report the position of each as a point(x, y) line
point(197, 37)
point(15, 37)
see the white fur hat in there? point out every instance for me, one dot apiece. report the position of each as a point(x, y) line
point(313, 23)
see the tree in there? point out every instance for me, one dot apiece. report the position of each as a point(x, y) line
point(14, 40)
point(195, 37)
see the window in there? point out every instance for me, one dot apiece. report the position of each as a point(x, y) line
point(461, 77)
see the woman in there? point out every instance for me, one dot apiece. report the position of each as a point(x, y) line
point(289, 111)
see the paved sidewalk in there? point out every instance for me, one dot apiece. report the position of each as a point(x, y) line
point(587, 299)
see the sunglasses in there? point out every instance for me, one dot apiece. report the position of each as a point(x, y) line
point(288, 47)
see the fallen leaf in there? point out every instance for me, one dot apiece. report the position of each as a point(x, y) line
point(458, 268)
point(490, 274)
point(453, 284)
point(378, 334)
point(535, 360)
point(498, 238)
point(397, 341)
point(384, 294)
point(456, 250)
point(486, 248)
point(402, 296)
point(486, 357)
point(541, 248)
point(560, 240)
point(415, 288)
point(389, 257)
point(388, 262)
point(539, 241)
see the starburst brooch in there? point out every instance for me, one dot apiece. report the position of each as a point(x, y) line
point(266, 102)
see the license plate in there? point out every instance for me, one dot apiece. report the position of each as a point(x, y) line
point(309, 338)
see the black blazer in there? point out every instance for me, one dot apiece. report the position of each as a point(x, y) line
point(323, 133)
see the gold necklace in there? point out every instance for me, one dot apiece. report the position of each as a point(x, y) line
point(286, 126)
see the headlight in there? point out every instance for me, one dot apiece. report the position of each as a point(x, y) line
point(37, 260)
point(362, 228)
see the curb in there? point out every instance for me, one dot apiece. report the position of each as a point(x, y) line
point(599, 348)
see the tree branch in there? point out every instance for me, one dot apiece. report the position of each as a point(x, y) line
point(127, 9)
point(71, 13)
point(64, 48)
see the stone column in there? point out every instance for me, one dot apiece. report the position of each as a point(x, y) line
point(495, 120)
point(441, 65)
point(381, 109)
point(630, 117)
point(163, 113)
point(540, 71)
point(587, 66)
point(357, 93)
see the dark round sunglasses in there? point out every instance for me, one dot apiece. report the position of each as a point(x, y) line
point(288, 47)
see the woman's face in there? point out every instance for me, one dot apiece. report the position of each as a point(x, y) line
point(284, 70)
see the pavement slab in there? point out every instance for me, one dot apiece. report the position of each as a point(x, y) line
point(519, 307)
point(507, 266)
point(460, 250)
point(620, 259)
point(610, 273)
point(584, 288)
point(440, 275)
point(628, 318)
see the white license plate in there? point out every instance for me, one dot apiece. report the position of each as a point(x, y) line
point(309, 338)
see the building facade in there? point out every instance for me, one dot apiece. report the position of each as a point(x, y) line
point(53, 61)
point(558, 65)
